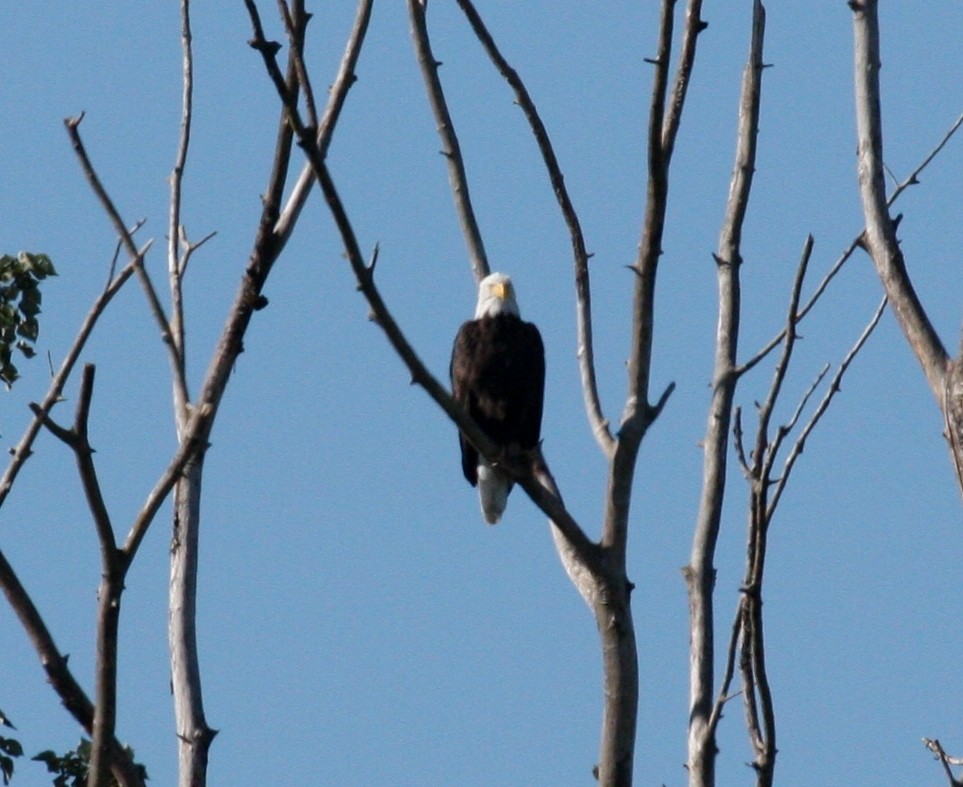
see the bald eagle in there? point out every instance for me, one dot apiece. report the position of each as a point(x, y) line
point(498, 375)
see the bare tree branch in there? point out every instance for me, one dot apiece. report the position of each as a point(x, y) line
point(113, 755)
point(833, 389)
point(194, 734)
point(115, 564)
point(586, 353)
point(945, 760)
point(782, 364)
point(192, 443)
point(694, 25)
point(178, 250)
point(450, 147)
point(295, 31)
point(157, 310)
point(910, 180)
point(638, 414)
point(704, 708)
point(58, 674)
point(113, 570)
point(22, 451)
point(879, 238)
point(780, 337)
point(521, 471)
point(913, 178)
point(336, 97)
point(765, 492)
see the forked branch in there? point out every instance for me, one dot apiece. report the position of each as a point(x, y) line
point(945, 760)
point(765, 491)
point(912, 179)
point(704, 709)
point(157, 310)
point(879, 237)
point(329, 118)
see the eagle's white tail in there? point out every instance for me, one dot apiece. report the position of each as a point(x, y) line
point(493, 489)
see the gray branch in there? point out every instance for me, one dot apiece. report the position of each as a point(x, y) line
point(700, 573)
point(879, 237)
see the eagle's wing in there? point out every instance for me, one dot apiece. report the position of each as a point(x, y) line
point(460, 371)
point(532, 351)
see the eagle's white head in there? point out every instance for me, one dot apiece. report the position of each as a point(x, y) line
point(496, 295)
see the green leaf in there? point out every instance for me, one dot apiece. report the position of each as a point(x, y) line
point(20, 300)
point(9, 374)
point(38, 264)
point(49, 757)
point(30, 302)
point(11, 747)
point(29, 328)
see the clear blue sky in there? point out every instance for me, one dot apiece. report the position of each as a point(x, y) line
point(359, 624)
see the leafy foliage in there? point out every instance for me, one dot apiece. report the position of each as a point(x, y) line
point(70, 769)
point(20, 300)
point(9, 748)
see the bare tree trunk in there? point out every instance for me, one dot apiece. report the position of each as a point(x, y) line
point(613, 614)
point(194, 736)
point(102, 734)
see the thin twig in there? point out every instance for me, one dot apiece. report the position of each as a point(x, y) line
point(780, 337)
point(784, 430)
point(192, 443)
point(782, 365)
point(728, 672)
point(738, 439)
point(332, 111)
point(157, 310)
point(294, 26)
point(910, 180)
point(22, 451)
point(834, 387)
point(118, 247)
point(178, 251)
point(673, 117)
point(449, 140)
point(913, 178)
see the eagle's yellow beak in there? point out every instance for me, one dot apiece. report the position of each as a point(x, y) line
point(499, 290)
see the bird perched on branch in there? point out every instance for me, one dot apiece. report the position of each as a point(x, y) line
point(498, 376)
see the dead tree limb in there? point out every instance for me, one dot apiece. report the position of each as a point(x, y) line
point(450, 147)
point(879, 237)
point(700, 573)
